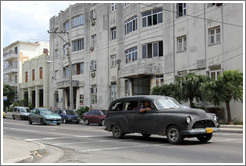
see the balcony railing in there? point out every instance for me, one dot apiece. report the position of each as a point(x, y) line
point(10, 56)
point(10, 70)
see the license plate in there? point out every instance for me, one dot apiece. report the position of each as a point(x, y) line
point(209, 130)
point(53, 121)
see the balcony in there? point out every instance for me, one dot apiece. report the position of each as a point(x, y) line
point(66, 84)
point(31, 84)
point(10, 70)
point(10, 56)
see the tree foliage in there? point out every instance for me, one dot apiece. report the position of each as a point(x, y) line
point(10, 92)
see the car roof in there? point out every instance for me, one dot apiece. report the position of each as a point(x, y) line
point(21, 107)
point(143, 97)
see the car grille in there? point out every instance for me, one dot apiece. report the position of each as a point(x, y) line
point(203, 124)
point(52, 119)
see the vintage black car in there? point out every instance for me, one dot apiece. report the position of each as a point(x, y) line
point(166, 117)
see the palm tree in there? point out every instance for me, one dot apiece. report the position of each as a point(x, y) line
point(189, 87)
point(224, 89)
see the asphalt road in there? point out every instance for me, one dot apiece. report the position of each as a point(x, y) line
point(92, 144)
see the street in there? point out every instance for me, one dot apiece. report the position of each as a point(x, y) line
point(92, 144)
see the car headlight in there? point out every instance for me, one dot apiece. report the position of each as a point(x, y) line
point(188, 119)
point(215, 118)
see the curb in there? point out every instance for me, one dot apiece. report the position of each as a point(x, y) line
point(231, 130)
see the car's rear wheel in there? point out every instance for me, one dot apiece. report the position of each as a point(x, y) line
point(205, 137)
point(87, 122)
point(30, 121)
point(58, 124)
point(173, 135)
point(146, 135)
point(117, 132)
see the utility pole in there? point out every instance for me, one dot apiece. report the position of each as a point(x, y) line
point(70, 67)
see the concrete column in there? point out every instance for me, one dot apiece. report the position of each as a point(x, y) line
point(29, 95)
point(36, 97)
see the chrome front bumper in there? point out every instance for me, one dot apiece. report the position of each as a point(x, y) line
point(200, 131)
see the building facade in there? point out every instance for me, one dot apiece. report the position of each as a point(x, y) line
point(13, 57)
point(34, 88)
point(127, 49)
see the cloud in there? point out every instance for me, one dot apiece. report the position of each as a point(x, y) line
point(26, 20)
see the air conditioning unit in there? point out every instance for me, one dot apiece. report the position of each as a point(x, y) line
point(93, 66)
point(93, 74)
point(92, 48)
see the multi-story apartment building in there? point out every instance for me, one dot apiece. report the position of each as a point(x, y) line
point(34, 88)
point(13, 57)
point(127, 49)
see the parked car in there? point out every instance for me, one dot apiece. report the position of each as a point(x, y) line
point(166, 117)
point(21, 113)
point(94, 116)
point(44, 116)
point(68, 116)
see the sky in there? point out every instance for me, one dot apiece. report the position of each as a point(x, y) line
point(28, 20)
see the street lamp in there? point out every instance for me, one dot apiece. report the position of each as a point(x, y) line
point(70, 67)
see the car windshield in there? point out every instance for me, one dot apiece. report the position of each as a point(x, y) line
point(70, 112)
point(46, 111)
point(166, 104)
point(25, 110)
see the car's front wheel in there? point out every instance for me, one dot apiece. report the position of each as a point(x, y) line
point(87, 122)
point(64, 120)
point(117, 132)
point(103, 122)
point(58, 124)
point(205, 137)
point(30, 121)
point(42, 121)
point(173, 135)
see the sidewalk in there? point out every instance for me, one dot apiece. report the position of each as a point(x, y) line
point(20, 151)
point(231, 128)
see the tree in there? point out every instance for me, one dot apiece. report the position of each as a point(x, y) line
point(224, 89)
point(10, 92)
point(189, 87)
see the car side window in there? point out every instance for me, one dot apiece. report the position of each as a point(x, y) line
point(151, 105)
point(131, 105)
point(18, 110)
point(117, 106)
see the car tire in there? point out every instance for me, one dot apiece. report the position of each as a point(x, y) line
point(205, 137)
point(173, 135)
point(64, 121)
point(146, 135)
point(42, 121)
point(77, 122)
point(87, 122)
point(117, 132)
point(58, 124)
point(30, 121)
point(13, 117)
point(103, 122)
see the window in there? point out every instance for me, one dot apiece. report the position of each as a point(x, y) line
point(131, 105)
point(16, 50)
point(113, 91)
point(78, 45)
point(117, 106)
point(154, 49)
point(94, 94)
point(214, 36)
point(113, 32)
point(93, 40)
point(45, 50)
point(56, 74)
point(131, 25)
point(215, 74)
point(26, 76)
point(113, 60)
point(131, 54)
point(56, 52)
point(159, 80)
point(66, 26)
point(66, 72)
point(127, 87)
point(65, 49)
point(152, 17)
point(181, 44)
point(33, 74)
point(41, 73)
point(78, 21)
point(181, 9)
point(113, 7)
point(78, 68)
